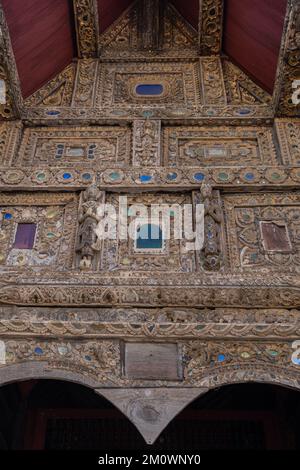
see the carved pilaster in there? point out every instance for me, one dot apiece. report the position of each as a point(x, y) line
point(88, 245)
point(146, 142)
point(210, 26)
point(87, 27)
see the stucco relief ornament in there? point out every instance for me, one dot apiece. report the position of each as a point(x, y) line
point(88, 244)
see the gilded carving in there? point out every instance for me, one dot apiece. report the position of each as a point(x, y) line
point(11, 105)
point(240, 88)
point(58, 92)
point(10, 134)
point(88, 245)
point(85, 83)
point(211, 254)
point(214, 146)
point(86, 20)
point(174, 37)
point(53, 218)
point(210, 26)
point(288, 132)
point(263, 231)
point(204, 135)
point(146, 143)
point(122, 254)
point(213, 87)
point(289, 63)
point(66, 146)
point(118, 83)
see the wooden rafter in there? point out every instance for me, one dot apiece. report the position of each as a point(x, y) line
point(210, 26)
point(288, 70)
point(87, 27)
point(11, 102)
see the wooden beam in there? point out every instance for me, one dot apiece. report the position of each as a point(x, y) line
point(210, 26)
point(287, 85)
point(87, 27)
point(11, 100)
point(150, 18)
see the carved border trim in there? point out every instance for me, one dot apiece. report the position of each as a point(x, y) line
point(45, 177)
point(8, 63)
point(288, 68)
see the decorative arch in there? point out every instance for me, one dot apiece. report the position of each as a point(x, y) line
point(152, 409)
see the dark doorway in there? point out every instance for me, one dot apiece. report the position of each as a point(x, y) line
point(49, 414)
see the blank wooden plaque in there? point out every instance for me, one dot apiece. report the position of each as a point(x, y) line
point(152, 361)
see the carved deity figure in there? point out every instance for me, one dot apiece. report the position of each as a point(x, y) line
point(88, 244)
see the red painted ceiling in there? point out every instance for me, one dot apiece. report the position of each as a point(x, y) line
point(252, 36)
point(43, 38)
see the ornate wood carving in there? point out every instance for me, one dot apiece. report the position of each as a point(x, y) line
point(240, 88)
point(66, 146)
point(146, 143)
point(211, 254)
point(288, 132)
point(250, 243)
point(58, 92)
point(10, 135)
point(87, 27)
point(165, 31)
point(88, 245)
point(232, 310)
point(210, 27)
point(12, 104)
point(289, 63)
point(214, 146)
point(53, 216)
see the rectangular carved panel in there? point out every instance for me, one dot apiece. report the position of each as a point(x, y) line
point(50, 242)
point(62, 145)
point(193, 146)
point(263, 231)
point(152, 361)
point(288, 132)
point(118, 85)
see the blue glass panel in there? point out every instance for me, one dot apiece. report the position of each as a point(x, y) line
point(145, 178)
point(149, 237)
point(149, 90)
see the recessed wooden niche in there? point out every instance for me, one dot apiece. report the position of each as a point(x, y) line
point(152, 361)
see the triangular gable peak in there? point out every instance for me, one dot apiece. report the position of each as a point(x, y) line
point(122, 40)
